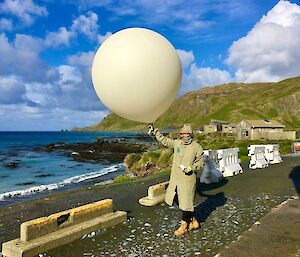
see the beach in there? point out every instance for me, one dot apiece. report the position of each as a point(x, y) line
point(226, 210)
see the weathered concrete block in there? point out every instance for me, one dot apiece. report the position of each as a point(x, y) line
point(156, 194)
point(38, 227)
point(158, 189)
point(57, 236)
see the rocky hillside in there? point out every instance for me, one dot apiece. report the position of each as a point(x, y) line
point(229, 102)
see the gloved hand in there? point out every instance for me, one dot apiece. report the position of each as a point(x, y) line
point(151, 129)
point(181, 166)
point(185, 169)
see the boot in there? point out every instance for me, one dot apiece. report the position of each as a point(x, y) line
point(183, 229)
point(194, 224)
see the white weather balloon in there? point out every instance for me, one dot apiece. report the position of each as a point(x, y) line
point(137, 73)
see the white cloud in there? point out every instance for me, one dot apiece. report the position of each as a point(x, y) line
point(284, 14)
point(69, 77)
point(34, 118)
point(42, 94)
point(65, 86)
point(186, 57)
point(72, 90)
point(47, 97)
point(270, 51)
point(191, 17)
point(25, 10)
point(86, 25)
point(6, 24)
point(12, 90)
point(203, 77)
point(77, 92)
point(81, 59)
point(60, 37)
point(21, 58)
point(102, 38)
point(179, 14)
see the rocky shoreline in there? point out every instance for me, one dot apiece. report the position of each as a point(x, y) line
point(111, 151)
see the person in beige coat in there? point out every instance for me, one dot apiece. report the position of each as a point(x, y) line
point(187, 160)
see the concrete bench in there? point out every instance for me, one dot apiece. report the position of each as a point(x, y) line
point(42, 234)
point(156, 194)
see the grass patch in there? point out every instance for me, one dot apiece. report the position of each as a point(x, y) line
point(273, 113)
point(164, 170)
point(214, 100)
point(123, 178)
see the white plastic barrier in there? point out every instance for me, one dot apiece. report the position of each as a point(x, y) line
point(229, 163)
point(272, 154)
point(210, 173)
point(257, 154)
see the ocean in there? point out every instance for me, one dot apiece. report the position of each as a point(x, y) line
point(40, 172)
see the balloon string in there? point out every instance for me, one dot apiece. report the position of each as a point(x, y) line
point(154, 140)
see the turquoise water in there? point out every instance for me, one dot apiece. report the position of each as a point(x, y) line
point(39, 172)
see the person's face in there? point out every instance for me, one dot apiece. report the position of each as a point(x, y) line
point(185, 134)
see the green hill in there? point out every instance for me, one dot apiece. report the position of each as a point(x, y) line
point(229, 102)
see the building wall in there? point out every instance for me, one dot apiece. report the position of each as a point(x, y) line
point(243, 130)
point(269, 129)
point(210, 129)
point(229, 129)
point(275, 135)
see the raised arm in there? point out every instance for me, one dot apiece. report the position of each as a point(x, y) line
point(167, 142)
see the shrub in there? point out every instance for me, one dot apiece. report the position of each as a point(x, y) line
point(165, 157)
point(132, 158)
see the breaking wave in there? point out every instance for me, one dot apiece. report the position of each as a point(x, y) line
point(68, 181)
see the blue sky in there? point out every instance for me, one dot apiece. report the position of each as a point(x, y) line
point(47, 48)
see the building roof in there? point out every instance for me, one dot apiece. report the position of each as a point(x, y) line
point(217, 122)
point(264, 123)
